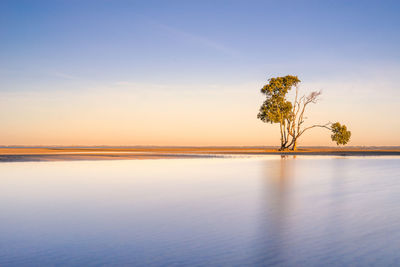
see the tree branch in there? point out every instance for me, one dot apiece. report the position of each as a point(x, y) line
point(326, 126)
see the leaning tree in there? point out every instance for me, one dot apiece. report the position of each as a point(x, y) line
point(290, 115)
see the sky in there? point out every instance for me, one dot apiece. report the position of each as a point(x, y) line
point(189, 72)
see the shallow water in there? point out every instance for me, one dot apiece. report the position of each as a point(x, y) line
point(304, 211)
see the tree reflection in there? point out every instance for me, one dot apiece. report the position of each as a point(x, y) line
point(275, 202)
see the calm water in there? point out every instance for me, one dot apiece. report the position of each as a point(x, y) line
point(307, 211)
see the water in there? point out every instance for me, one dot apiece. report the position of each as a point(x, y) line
point(304, 211)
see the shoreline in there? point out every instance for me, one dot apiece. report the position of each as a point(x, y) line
point(23, 154)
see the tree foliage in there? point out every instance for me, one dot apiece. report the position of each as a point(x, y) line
point(290, 115)
point(276, 108)
point(340, 134)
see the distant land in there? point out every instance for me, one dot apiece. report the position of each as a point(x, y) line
point(61, 153)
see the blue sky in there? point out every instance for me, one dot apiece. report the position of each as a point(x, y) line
point(89, 47)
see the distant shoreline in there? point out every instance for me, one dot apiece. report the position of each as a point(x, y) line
point(21, 154)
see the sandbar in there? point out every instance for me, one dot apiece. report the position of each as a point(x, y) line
point(16, 154)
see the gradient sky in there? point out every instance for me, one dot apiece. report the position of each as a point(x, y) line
point(189, 72)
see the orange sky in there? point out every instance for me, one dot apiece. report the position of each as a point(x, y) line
point(125, 113)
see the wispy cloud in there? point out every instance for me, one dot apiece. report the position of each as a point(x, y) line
point(63, 75)
point(40, 73)
point(195, 38)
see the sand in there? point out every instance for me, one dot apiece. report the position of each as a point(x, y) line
point(11, 154)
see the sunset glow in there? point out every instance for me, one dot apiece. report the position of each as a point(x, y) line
point(108, 73)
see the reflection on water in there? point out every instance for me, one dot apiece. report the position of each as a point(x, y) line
point(274, 208)
point(304, 211)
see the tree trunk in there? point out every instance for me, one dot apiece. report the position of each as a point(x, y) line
point(294, 145)
point(283, 147)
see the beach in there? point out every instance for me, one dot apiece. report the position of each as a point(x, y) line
point(11, 154)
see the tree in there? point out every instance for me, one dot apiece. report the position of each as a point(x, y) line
point(290, 115)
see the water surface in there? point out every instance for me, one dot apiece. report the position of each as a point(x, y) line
point(304, 211)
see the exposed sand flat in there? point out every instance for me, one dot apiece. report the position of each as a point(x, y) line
point(10, 154)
